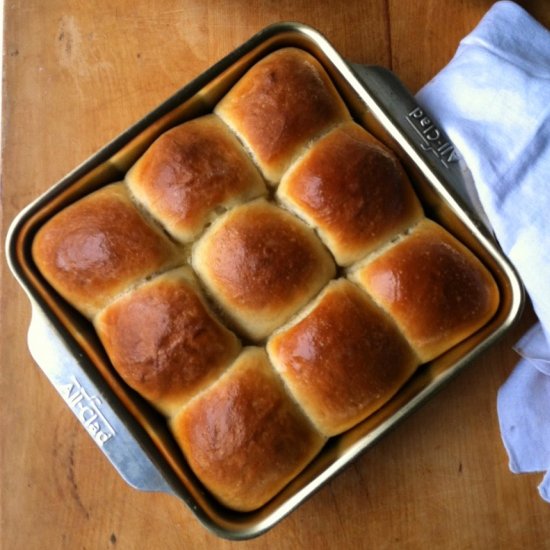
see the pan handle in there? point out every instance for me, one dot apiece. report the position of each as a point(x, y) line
point(95, 408)
point(423, 135)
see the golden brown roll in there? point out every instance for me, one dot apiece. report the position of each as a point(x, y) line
point(190, 173)
point(261, 264)
point(283, 102)
point(164, 341)
point(436, 290)
point(353, 190)
point(342, 359)
point(98, 247)
point(244, 437)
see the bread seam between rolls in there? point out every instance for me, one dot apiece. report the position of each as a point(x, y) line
point(382, 248)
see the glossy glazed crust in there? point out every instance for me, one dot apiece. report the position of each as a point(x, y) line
point(244, 436)
point(281, 104)
point(246, 428)
point(98, 247)
point(353, 190)
point(190, 173)
point(261, 264)
point(164, 341)
point(437, 291)
point(342, 360)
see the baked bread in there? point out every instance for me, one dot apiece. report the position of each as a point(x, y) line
point(98, 247)
point(280, 105)
point(342, 359)
point(164, 341)
point(353, 190)
point(191, 173)
point(261, 264)
point(434, 288)
point(244, 437)
point(193, 270)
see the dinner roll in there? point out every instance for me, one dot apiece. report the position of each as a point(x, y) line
point(261, 264)
point(190, 173)
point(244, 437)
point(436, 290)
point(164, 341)
point(282, 102)
point(353, 190)
point(98, 247)
point(342, 358)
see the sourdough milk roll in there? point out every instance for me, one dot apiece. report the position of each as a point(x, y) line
point(244, 437)
point(353, 190)
point(434, 288)
point(342, 358)
point(191, 173)
point(164, 340)
point(261, 264)
point(281, 104)
point(98, 247)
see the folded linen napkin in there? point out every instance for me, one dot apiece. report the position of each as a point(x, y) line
point(493, 100)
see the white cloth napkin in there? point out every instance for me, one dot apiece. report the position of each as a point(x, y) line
point(493, 100)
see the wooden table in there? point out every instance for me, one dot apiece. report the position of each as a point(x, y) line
point(78, 73)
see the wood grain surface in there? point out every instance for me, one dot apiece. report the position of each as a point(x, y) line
point(76, 73)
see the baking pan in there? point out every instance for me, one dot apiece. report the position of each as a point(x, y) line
point(125, 428)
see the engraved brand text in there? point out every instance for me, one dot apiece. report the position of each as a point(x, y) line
point(432, 139)
point(87, 409)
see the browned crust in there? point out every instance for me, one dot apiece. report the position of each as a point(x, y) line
point(262, 264)
point(97, 247)
point(354, 190)
point(244, 437)
point(343, 360)
point(164, 341)
point(190, 172)
point(283, 102)
point(437, 291)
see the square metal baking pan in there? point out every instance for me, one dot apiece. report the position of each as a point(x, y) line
point(126, 429)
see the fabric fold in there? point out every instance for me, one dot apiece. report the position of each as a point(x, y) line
point(493, 101)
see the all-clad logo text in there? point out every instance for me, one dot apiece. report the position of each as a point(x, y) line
point(432, 138)
point(87, 409)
